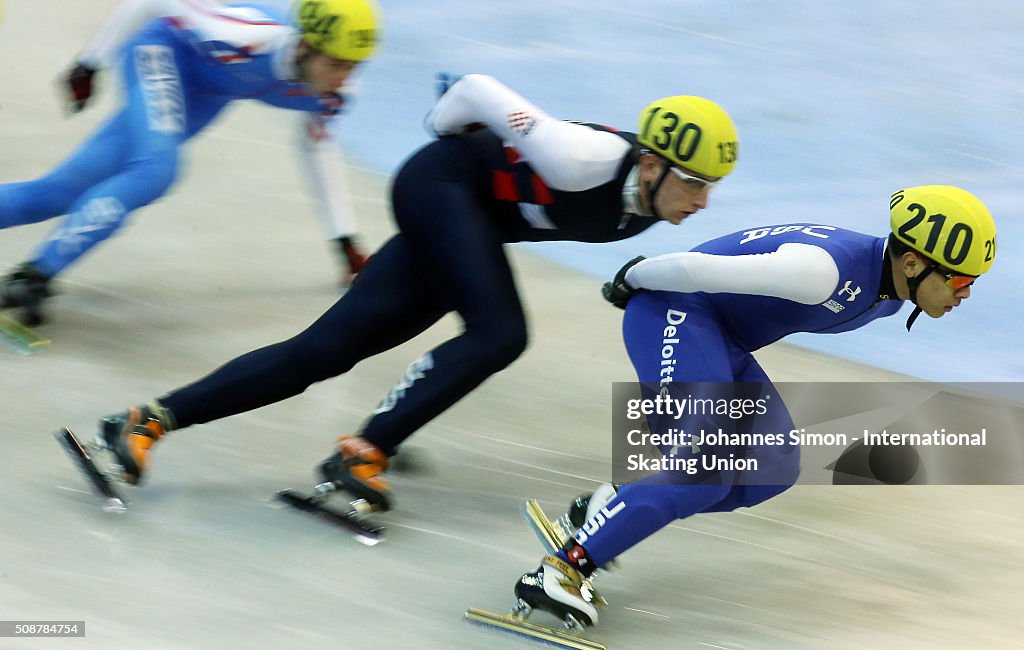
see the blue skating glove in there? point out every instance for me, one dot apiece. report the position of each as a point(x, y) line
point(445, 80)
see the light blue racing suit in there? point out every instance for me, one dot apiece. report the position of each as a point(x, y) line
point(179, 73)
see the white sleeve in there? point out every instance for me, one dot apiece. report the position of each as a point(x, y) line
point(126, 19)
point(569, 157)
point(323, 165)
point(799, 272)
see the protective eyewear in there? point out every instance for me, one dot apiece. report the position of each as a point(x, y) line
point(956, 280)
point(694, 182)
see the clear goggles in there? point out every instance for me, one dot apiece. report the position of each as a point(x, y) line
point(694, 182)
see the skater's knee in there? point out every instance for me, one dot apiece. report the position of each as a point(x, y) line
point(673, 498)
point(155, 172)
point(689, 499)
point(500, 342)
point(511, 342)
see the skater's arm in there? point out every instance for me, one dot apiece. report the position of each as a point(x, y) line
point(126, 19)
point(323, 165)
point(799, 272)
point(568, 156)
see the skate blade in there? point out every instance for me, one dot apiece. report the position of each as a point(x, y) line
point(533, 631)
point(23, 340)
point(549, 536)
point(351, 521)
point(101, 483)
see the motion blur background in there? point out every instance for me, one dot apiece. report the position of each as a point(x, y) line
point(838, 105)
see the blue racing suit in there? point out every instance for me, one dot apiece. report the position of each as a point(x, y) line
point(704, 336)
point(179, 73)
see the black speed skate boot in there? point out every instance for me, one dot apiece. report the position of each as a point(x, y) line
point(557, 534)
point(582, 508)
point(26, 288)
point(585, 507)
point(130, 436)
point(356, 467)
point(558, 588)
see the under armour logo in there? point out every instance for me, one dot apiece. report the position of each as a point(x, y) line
point(853, 292)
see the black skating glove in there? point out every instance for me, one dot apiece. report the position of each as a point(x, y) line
point(617, 291)
point(353, 256)
point(78, 85)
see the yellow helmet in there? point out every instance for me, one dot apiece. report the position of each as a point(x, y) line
point(344, 29)
point(692, 132)
point(948, 225)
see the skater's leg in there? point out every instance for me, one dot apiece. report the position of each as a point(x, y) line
point(700, 353)
point(441, 217)
point(392, 301)
point(778, 465)
point(129, 163)
point(155, 123)
point(96, 184)
point(100, 157)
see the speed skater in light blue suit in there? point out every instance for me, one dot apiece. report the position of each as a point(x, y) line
point(691, 323)
point(179, 71)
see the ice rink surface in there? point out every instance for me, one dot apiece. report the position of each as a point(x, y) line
point(234, 260)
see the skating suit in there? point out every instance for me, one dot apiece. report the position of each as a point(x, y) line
point(178, 72)
point(456, 202)
point(709, 337)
